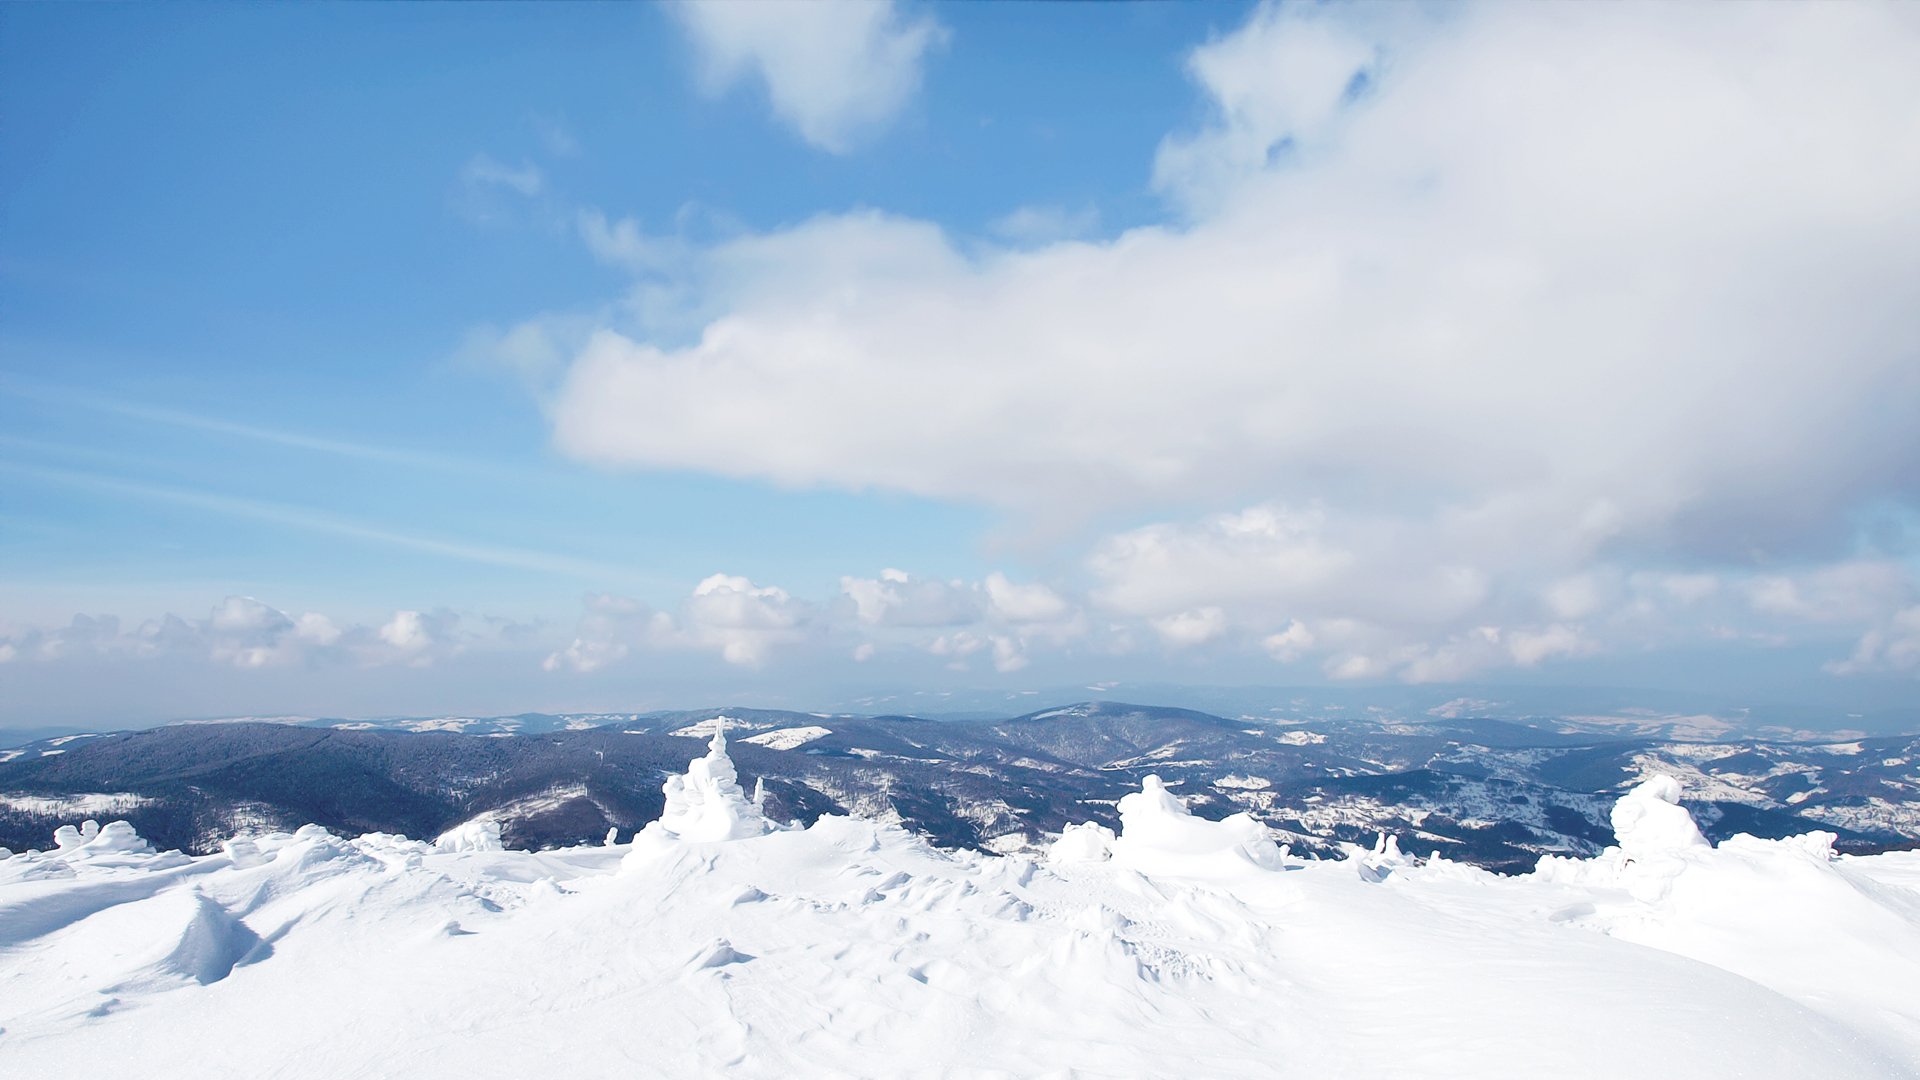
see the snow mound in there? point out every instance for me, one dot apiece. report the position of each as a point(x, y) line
point(90, 841)
point(1649, 821)
point(480, 834)
point(1089, 842)
point(1159, 836)
point(707, 803)
point(1833, 935)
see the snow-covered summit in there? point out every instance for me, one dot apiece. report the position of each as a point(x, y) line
point(1179, 947)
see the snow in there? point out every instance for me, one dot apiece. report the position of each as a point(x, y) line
point(1159, 836)
point(701, 729)
point(707, 803)
point(1232, 782)
point(714, 944)
point(480, 834)
point(788, 738)
point(92, 804)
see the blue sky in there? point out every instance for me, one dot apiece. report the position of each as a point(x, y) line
point(425, 358)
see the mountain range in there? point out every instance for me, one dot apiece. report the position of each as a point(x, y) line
point(1490, 792)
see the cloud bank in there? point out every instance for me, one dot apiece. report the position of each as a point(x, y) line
point(1490, 325)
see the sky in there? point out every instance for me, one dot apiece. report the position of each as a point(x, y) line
point(404, 359)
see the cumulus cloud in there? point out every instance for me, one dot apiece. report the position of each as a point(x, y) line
point(729, 615)
point(610, 628)
point(1029, 602)
point(1278, 84)
point(835, 71)
point(743, 620)
point(1513, 330)
point(897, 598)
point(1187, 628)
point(245, 633)
point(1565, 257)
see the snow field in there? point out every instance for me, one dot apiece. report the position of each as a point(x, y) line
point(720, 943)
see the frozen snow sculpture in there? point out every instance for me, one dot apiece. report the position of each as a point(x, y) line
point(1379, 863)
point(70, 838)
point(1650, 822)
point(1159, 836)
point(707, 803)
point(1091, 842)
point(480, 834)
point(1656, 841)
point(90, 841)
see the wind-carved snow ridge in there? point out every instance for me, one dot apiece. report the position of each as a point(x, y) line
point(707, 804)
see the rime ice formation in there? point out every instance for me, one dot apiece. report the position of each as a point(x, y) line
point(1656, 841)
point(852, 948)
point(1159, 835)
point(480, 834)
point(1649, 821)
point(707, 803)
point(1090, 842)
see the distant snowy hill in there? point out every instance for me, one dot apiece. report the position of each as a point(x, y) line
point(718, 941)
point(1488, 792)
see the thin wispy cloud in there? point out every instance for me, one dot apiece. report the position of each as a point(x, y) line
point(214, 425)
point(315, 521)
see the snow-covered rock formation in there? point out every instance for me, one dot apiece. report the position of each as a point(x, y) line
point(852, 948)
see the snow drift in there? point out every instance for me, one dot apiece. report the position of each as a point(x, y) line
point(719, 943)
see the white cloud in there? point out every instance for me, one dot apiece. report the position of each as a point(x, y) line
point(1574, 597)
point(624, 244)
point(1846, 592)
point(1008, 656)
point(897, 598)
point(609, 629)
point(1189, 628)
point(1286, 645)
point(482, 171)
point(1480, 312)
point(1557, 258)
point(1276, 84)
point(834, 70)
point(245, 633)
point(490, 191)
point(317, 629)
point(406, 631)
point(1892, 646)
point(1031, 602)
point(744, 621)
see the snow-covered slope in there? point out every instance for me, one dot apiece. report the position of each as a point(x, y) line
point(1180, 947)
